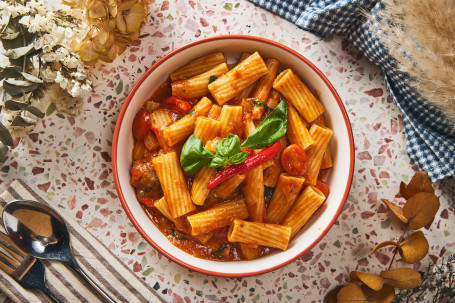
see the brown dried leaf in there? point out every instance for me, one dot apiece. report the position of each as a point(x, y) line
point(419, 183)
point(384, 244)
point(405, 278)
point(385, 295)
point(99, 41)
point(332, 295)
point(86, 51)
point(373, 281)
point(130, 17)
point(414, 248)
point(396, 210)
point(351, 293)
point(421, 209)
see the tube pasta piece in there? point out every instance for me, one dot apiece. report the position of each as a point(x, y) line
point(226, 188)
point(211, 145)
point(197, 66)
point(247, 91)
point(236, 80)
point(327, 161)
point(298, 94)
point(286, 191)
point(183, 128)
point(206, 129)
point(253, 190)
point(272, 173)
point(173, 183)
point(249, 252)
point(199, 191)
point(162, 206)
point(217, 216)
point(273, 99)
point(266, 234)
point(197, 86)
point(231, 120)
point(159, 120)
point(304, 207)
point(263, 86)
point(321, 137)
point(215, 112)
point(296, 132)
point(268, 164)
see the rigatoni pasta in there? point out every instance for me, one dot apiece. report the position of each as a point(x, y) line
point(199, 125)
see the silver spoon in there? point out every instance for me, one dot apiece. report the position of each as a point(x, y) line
point(39, 231)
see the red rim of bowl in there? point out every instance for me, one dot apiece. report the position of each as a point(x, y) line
point(170, 55)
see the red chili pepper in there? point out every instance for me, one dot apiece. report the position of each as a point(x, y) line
point(250, 163)
point(177, 104)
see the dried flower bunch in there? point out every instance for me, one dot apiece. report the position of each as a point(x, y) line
point(420, 35)
point(112, 25)
point(419, 211)
point(37, 61)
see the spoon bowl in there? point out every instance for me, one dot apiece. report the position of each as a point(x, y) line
point(40, 231)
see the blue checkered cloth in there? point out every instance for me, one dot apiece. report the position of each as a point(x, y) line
point(430, 139)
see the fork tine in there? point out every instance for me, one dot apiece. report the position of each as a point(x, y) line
point(11, 248)
point(6, 264)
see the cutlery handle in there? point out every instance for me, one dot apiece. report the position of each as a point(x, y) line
point(74, 266)
point(50, 294)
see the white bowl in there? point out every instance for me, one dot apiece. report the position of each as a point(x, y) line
point(342, 147)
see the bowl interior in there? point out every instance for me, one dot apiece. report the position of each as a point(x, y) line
point(341, 146)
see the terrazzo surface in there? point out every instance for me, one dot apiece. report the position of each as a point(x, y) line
point(68, 159)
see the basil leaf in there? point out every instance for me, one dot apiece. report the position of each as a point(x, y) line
point(228, 146)
point(270, 130)
point(194, 156)
point(238, 158)
point(212, 78)
point(218, 162)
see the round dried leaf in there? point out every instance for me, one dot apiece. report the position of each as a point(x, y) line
point(405, 278)
point(97, 10)
point(414, 248)
point(384, 244)
point(396, 210)
point(134, 18)
point(332, 295)
point(351, 293)
point(421, 209)
point(373, 281)
point(87, 53)
point(385, 295)
point(419, 183)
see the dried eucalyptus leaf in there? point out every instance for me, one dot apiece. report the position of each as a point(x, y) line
point(5, 26)
point(384, 244)
point(385, 295)
point(18, 87)
point(31, 78)
point(34, 110)
point(373, 281)
point(396, 210)
point(5, 136)
point(404, 278)
point(414, 248)
point(50, 109)
point(19, 52)
point(10, 72)
point(351, 293)
point(15, 105)
point(10, 36)
point(420, 182)
point(23, 121)
point(421, 209)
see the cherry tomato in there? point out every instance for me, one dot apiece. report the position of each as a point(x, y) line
point(177, 104)
point(141, 124)
point(294, 160)
point(323, 187)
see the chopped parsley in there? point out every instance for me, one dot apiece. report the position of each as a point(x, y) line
point(212, 78)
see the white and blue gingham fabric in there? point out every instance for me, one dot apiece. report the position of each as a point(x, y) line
point(430, 138)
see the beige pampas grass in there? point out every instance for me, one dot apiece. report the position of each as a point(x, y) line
point(421, 35)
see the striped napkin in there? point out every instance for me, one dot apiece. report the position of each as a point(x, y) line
point(99, 263)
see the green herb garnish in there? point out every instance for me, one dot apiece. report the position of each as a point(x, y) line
point(212, 78)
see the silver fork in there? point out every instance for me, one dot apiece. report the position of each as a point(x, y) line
point(26, 270)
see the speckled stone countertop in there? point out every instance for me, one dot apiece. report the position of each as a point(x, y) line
point(68, 159)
